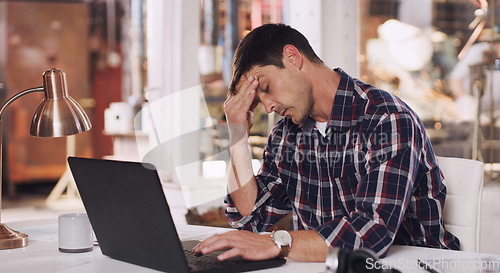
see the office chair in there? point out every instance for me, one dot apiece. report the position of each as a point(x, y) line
point(462, 208)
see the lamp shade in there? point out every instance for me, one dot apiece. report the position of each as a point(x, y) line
point(58, 114)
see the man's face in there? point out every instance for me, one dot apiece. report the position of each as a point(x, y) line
point(283, 90)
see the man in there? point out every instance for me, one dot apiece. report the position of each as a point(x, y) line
point(351, 162)
point(479, 58)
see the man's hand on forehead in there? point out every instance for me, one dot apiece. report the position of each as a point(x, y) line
point(247, 77)
point(254, 81)
point(239, 107)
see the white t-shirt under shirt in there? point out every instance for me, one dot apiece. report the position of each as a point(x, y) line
point(321, 126)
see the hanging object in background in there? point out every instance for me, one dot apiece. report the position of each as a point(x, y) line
point(491, 58)
point(208, 48)
point(477, 25)
point(113, 57)
point(231, 39)
point(407, 44)
point(482, 76)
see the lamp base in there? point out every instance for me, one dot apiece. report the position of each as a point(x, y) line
point(10, 238)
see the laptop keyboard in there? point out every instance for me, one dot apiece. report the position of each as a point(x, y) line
point(208, 260)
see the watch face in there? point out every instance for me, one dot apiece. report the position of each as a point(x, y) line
point(282, 237)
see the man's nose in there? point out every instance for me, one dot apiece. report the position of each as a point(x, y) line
point(269, 105)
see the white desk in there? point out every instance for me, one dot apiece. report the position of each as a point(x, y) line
point(42, 254)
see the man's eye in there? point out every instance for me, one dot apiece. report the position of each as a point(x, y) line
point(267, 89)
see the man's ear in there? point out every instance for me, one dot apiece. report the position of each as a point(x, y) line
point(292, 56)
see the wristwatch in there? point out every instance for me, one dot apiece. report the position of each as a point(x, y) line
point(283, 240)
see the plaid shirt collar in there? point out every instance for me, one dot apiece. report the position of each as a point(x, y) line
point(340, 115)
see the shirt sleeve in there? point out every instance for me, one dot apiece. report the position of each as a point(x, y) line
point(272, 202)
point(383, 192)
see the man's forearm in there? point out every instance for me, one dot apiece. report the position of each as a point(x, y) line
point(308, 246)
point(242, 186)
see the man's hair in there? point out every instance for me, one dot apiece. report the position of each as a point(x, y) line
point(264, 46)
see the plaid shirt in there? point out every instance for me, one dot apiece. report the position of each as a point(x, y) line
point(372, 181)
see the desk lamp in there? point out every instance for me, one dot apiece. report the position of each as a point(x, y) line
point(57, 115)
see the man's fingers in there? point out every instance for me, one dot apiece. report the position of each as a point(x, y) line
point(231, 253)
point(236, 106)
point(201, 245)
point(244, 87)
point(229, 99)
point(246, 97)
point(240, 83)
point(240, 243)
point(249, 101)
point(213, 243)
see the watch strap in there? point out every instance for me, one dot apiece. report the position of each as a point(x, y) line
point(284, 250)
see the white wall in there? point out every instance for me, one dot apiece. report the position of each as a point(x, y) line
point(173, 39)
point(332, 28)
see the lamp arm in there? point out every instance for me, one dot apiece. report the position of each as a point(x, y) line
point(7, 103)
point(18, 95)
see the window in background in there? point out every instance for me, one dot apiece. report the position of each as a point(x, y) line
point(407, 47)
point(411, 48)
point(223, 24)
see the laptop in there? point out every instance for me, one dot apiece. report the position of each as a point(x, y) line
point(132, 221)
